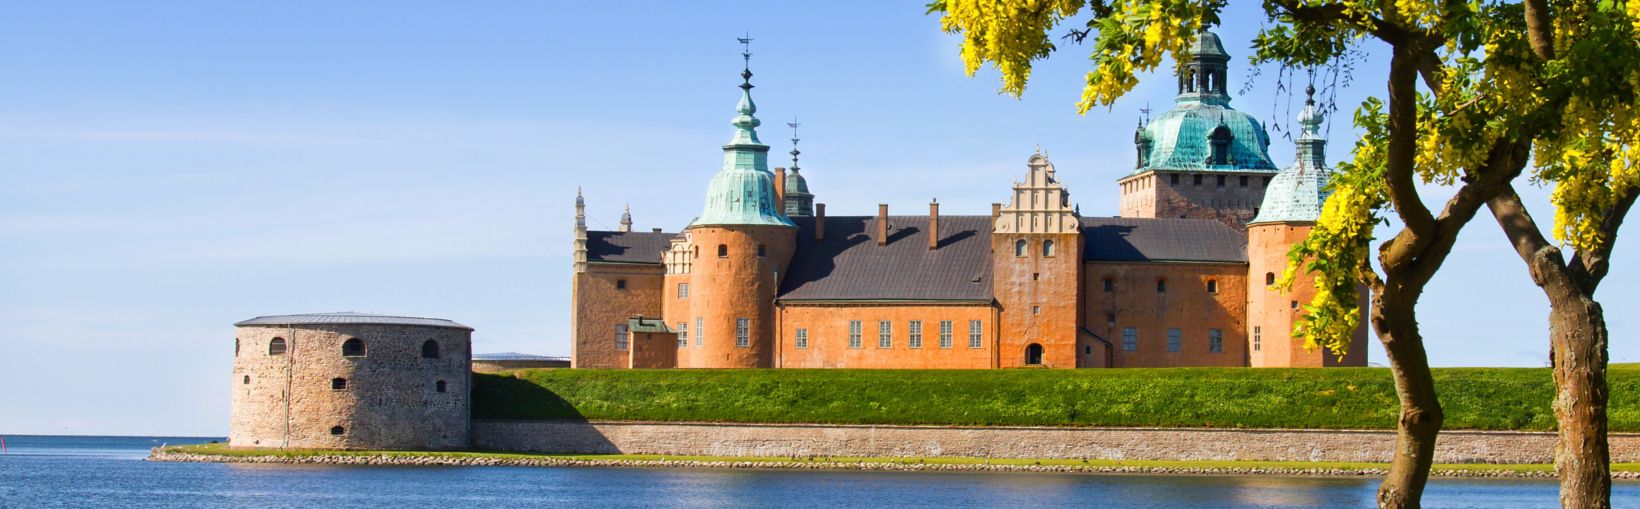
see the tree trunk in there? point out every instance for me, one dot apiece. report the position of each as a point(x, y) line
point(1577, 335)
point(1421, 417)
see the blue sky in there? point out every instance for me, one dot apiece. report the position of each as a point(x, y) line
point(170, 168)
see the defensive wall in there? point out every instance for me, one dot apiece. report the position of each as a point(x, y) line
point(1132, 444)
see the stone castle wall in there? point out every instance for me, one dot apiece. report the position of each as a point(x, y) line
point(391, 398)
point(804, 440)
point(1219, 196)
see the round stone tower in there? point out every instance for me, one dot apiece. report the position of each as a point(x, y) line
point(351, 381)
point(1291, 206)
point(742, 244)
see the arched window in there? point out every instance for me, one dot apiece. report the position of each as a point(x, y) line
point(439, 386)
point(276, 347)
point(353, 347)
point(429, 349)
point(247, 380)
point(1047, 248)
point(1269, 278)
point(1019, 248)
point(723, 251)
point(337, 384)
point(336, 430)
point(1212, 286)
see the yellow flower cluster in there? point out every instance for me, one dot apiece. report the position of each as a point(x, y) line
point(1007, 33)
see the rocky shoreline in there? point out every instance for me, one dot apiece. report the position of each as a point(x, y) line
point(437, 459)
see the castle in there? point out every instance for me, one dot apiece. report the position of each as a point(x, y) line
point(764, 278)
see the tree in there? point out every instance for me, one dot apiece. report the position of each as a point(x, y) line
point(1489, 97)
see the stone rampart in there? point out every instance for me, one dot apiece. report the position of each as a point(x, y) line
point(805, 440)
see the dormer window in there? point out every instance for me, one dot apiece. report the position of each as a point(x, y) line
point(1219, 142)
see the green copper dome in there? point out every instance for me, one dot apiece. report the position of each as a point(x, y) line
point(742, 192)
point(1202, 132)
point(1298, 192)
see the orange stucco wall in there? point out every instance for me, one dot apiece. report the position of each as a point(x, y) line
point(1038, 296)
point(827, 326)
point(598, 305)
point(739, 285)
point(1186, 305)
point(653, 350)
point(1274, 312)
point(675, 309)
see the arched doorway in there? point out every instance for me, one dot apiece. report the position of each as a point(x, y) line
point(1033, 355)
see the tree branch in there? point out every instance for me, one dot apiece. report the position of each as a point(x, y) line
point(1542, 258)
point(1588, 268)
point(1540, 29)
point(1402, 150)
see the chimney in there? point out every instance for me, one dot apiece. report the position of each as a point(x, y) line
point(996, 211)
point(780, 190)
point(934, 224)
point(882, 224)
point(656, 230)
point(819, 221)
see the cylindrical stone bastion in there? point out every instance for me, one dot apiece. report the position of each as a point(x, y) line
point(351, 381)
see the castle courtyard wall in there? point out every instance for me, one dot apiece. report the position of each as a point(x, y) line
point(1134, 444)
point(600, 304)
point(1186, 304)
point(827, 325)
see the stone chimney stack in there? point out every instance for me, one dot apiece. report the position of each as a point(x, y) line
point(780, 189)
point(882, 224)
point(934, 224)
point(996, 211)
point(656, 230)
point(819, 221)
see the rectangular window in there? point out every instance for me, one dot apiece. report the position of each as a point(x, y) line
point(1036, 310)
point(1221, 180)
point(1174, 179)
point(1258, 337)
point(854, 333)
point(1110, 284)
point(1215, 341)
point(975, 334)
point(683, 334)
point(1130, 339)
point(885, 334)
point(802, 338)
point(683, 290)
point(915, 340)
point(1196, 179)
point(1174, 340)
point(700, 331)
point(945, 333)
point(1110, 320)
point(1266, 181)
point(620, 284)
point(1243, 181)
point(1161, 286)
point(620, 336)
point(743, 332)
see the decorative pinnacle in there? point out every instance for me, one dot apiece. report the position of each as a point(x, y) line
point(746, 53)
point(794, 151)
point(1310, 117)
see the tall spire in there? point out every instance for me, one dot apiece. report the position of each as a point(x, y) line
point(742, 192)
point(799, 202)
point(580, 209)
point(794, 151)
point(579, 245)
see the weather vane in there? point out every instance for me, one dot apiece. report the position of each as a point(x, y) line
point(746, 47)
point(794, 125)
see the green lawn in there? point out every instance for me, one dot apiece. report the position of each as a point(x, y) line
point(223, 450)
point(1348, 398)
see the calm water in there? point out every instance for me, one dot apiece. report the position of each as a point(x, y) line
point(109, 472)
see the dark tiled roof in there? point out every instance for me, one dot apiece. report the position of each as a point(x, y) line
point(849, 265)
point(350, 318)
point(628, 247)
point(1120, 239)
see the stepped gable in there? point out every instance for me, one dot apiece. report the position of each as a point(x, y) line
point(849, 265)
point(627, 247)
point(1124, 239)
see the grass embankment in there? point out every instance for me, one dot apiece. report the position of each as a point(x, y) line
point(1344, 398)
point(798, 462)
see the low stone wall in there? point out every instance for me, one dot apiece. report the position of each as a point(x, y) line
point(805, 440)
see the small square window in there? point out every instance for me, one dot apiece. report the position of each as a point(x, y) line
point(1243, 181)
point(1110, 285)
point(1174, 179)
point(1036, 310)
point(1295, 305)
point(1110, 319)
point(620, 284)
point(1196, 179)
point(1221, 180)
